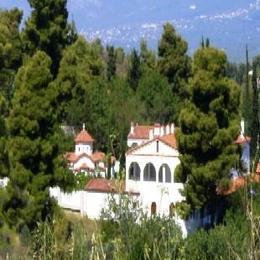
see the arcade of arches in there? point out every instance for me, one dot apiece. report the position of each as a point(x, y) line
point(149, 173)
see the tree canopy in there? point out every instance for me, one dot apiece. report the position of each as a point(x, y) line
point(208, 127)
point(47, 29)
point(33, 146)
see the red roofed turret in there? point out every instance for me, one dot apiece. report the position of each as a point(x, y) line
point(84, 137)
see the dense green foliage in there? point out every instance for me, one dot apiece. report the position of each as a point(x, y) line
point(47, 29)
point(33, 147)
point(255, 141)
point(174, 64)
point(208, 128)
point(51, 77)
point(10, 50)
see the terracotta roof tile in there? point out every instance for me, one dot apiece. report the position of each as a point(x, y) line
point(140, 132)
point(242, 139)
point(236, 184)
point(84, 137)
point(103, 185)
point(98, 156)
point(72, 157)
point(169, 139)
point(258, 168)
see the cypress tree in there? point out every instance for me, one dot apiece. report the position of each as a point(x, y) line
point(134, 71)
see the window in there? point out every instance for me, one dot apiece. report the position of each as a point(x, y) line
point(134, 171)
point(153, 208)
point(157, 146)
point(166, 172)
point(149, 172)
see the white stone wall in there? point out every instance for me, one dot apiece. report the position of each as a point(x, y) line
point(91, 204)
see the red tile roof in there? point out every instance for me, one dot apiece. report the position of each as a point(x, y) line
point(98, 156)
point(84, 137)
point(140, 132)
point(242, 139)
point(236, 184)
point(72, 157)
point(169, 139)
point(258, 168)
point(233, 186)
point(103, 185)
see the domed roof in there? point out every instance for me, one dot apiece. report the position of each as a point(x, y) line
point(84, 136)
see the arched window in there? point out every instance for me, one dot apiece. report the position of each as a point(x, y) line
point(166, 172)
point(171, 210)
point(134, 171)
point(149, 172)
point(153, 208)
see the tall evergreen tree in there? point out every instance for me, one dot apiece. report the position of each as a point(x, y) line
point(111, 62)
point(134, 71)
point(174, 63)
point(80, 64)
point(247, 99)
point(147, 58)
point(4, 164)
point(154, 91)
point(255, 133)
point(10, 50)
point(47, 29)
point(33, 146)
point(208, 127)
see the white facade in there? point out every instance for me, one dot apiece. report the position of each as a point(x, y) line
point(150, 166)
point(86, 148)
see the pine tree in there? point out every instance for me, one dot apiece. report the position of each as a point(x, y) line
point(174, 64)
point(33, 146)
point(80, 64)
point(154, 91)
point(147, 58)
point(47, 29)
point(208, 127)
point(10, 50)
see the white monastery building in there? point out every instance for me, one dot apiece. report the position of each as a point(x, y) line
point(151, 160)
point(150, 164)
point(83, 159)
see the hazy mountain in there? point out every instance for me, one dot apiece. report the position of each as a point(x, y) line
point(229, 24)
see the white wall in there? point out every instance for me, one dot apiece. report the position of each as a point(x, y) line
point(142, 160)
point(130, 142)
point(83, 148)
point(84, 160)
